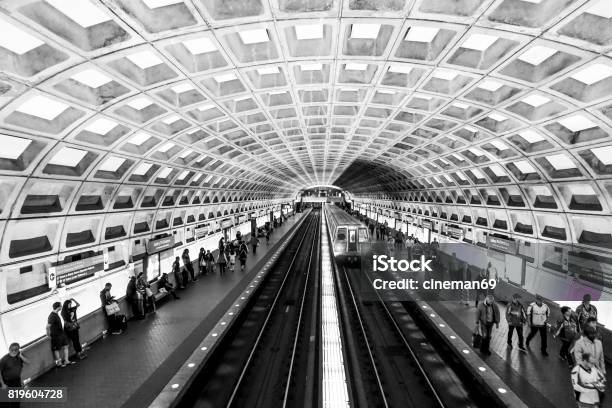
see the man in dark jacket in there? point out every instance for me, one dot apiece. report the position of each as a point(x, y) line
point(487, 315)
point(516, 317)
point(163, 283)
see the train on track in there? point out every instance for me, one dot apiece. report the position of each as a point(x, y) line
point(350, 237)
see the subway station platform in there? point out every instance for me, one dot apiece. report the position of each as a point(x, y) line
point(533, 379)
point(130, 369)
point(537, 380)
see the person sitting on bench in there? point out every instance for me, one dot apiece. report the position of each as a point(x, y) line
point(163, 283)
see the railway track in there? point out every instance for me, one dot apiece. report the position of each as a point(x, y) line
point(390, 356)
point(267, 358)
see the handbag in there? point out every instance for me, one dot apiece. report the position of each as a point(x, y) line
point(112, 308)
point(149, 292)
point(71, 325)
point(162, 290)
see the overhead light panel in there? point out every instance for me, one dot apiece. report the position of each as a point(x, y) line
point(101, 126)
point(153, 4)
point(42, 107)
point(400, 69)
point(82, 12)
point(421, 34)
point(489, 85)
point(309, 31)
point(201, 45)
point(365, 31)
point(139, 138)
point(268, 71)
point(225, 77)
point(601, 8)
point(16, 40)
point(256, 36)
point(604, 154)
point(142, 169)
point(311, 67)
point(140, 103)
point(535, 100)
point(112, 164)
point(145, 59)
point(537, 55)
point(576, 123)
point(92, 78)
point(593, 74)
point(13, 147)
point(560, 162)
point(354, 66)
point(479, 42)
point(184, 87)
point(68, 157)
point(531, 136)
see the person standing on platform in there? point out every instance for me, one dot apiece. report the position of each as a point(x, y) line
point(538, 313)
point(108, 303)
point(516, 318)
point(71, 326)
point(146, 294)
point(59, 340)
point(232, 259)
point(480, 293)
point(11, 366)
point(567, 330)
point(131, 296)
point(188, 265)
point(202, 262)
point(243, 251)
point(267, 237)
point(584, 311)
point(588, 382)
point(254, 243)
point(590, 344)
point(176, 270)
point(487, 315)
point(210, 261)
point(221, 259)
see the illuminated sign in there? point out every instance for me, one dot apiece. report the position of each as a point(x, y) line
point(501, 245)
point(157, 245)
point(74, 271)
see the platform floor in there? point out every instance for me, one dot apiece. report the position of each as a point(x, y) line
point(130, 369)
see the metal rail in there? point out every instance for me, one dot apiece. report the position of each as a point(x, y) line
point(401, 335)
point(269, 314)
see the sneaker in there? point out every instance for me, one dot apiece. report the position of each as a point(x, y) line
point(522, 348)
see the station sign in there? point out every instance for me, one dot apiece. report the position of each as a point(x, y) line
point(426, 224)
point(161, 244)
point(77, 270)
point(502, 245)
point(201, 231)
point(455, 232)
point(227, 223)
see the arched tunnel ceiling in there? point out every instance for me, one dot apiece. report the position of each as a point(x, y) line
point(473, 98)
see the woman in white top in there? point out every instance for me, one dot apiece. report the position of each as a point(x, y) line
point(588, 382)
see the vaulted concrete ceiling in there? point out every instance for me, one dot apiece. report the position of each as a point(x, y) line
point(453, 98)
